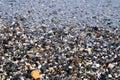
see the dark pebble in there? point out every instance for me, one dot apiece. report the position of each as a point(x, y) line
point(116, 59)
point(16, 24)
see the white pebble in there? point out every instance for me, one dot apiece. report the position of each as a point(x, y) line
point(111, 65)
point(109, 75)
point(39, 66)
point(70, 67)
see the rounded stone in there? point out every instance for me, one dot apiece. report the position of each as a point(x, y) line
point(35, 74)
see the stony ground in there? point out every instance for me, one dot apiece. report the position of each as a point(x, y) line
point(77, 12)
point(59, 53)
point(59, 40)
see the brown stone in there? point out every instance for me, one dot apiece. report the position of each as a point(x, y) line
point(35, 74)
point(41, 50)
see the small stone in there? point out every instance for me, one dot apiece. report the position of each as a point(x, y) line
point(48, 47)
point(81, 49)
point(8, 79)
point(39, 66)
point(97, 32)
point(37, 26)
point(55, 20)
point(51, 70)
point(95, 28)
point(25, 68)
point(70, 67)
point(35, 74)
point(29, 55)
point(15, 24)
point(41, 50)
point(109, 75)
point(89, 63)
point(85, 78)
point(111, 65)
point(32, 29)
point(89, 50)
point(22, 78)
point(95, 66)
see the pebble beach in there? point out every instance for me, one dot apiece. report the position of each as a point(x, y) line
point(58, 40)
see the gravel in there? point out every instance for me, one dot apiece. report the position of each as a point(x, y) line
point(81, 56)
point(61, 39)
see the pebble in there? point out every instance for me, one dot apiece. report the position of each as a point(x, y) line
point(15, 24)
point(89, 50)
point(35, 74)
point(59, 53)
point(89, 63)
point(111, 65)
point(55, 20)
